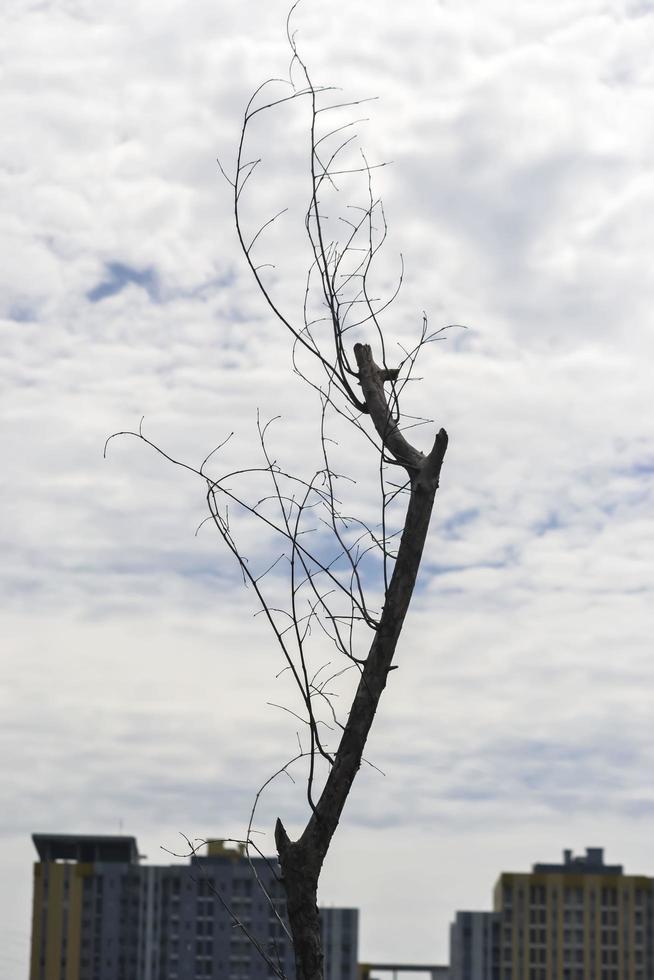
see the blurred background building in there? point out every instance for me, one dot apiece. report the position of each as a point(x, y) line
point(578, 920)
point(475, 946)
point(100, 914)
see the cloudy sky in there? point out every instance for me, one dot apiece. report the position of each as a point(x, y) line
point(135, 678)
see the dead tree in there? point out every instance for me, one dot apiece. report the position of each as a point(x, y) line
point(328, 592)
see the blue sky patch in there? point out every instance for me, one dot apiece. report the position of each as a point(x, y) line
point(450, 527)
point(118, 275)
point(550, 523)
point(643, 467)
point(21, 314)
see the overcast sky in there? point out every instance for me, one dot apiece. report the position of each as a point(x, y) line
point(135, 678)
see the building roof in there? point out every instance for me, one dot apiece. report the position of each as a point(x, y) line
point(87, 848)
point(592, 862)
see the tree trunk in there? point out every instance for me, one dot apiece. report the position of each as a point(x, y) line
point(300, 872)
point(302, 860)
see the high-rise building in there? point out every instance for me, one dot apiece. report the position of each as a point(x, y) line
point(340, 939)
point(99, 914)
point(579, 920)
point(474, 946)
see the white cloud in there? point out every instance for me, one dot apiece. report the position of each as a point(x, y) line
point(520, 196)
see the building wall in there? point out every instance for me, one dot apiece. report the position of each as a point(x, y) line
point(474, 946)
point(340, 932)
point(56, 921)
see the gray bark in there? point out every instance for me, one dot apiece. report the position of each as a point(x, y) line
point(301, 860)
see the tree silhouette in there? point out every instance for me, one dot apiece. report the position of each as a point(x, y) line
point(345, 576)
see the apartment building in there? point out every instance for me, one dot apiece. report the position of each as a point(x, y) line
point(579, 920)
point(101, 914)
point(475, 946)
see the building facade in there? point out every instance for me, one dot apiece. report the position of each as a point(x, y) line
point(579, 920)
point(475, 946)
point(99, 914)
